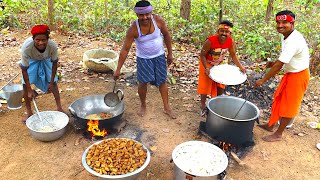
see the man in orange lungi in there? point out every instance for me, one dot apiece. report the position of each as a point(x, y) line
point(294, 59)
point(212, 54)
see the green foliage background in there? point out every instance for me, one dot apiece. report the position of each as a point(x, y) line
point(255, 38)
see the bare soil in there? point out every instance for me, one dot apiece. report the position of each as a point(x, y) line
point(23, 157)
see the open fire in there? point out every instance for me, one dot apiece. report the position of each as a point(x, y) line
point(232, 150)
point(93, 129)
point(236, 151)
point(226, 146)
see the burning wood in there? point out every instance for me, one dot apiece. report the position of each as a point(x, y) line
point(225, 146)
point(237, 159)
point(93, 127)
point(228, 149)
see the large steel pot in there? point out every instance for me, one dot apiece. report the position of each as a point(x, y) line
point(198, 160)
point(94, 104)
point(231, 119)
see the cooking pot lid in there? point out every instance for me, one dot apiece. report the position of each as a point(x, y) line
point(227, 74)
point(200, 158)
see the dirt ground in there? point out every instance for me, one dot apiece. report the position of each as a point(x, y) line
point(22, 157)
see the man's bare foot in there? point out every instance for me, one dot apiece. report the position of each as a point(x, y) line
point(170, 113)
point(24, 119)
point(272, 138)
point(266, 127)
point(142, 111)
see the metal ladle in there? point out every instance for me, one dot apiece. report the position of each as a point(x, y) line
point(240, 109)
point(36, 107)
point(244, 101)
point(111, 99)
point(10, 81)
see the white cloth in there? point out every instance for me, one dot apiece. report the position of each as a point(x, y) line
point(29, 51)
point(151, 45)
point(295, 53)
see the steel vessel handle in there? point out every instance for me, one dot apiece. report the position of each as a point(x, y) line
point(72, 111)
point(121, 94)
point(257, 120)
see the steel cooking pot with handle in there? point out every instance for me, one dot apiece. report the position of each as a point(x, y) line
point(94, 104)
point(231, 119)
point(199, 160)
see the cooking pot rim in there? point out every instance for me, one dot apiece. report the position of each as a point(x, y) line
point(102, 95)
point(201, 144)
point(34, 118)
point(233, 97)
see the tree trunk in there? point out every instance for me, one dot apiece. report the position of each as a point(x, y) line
point(307, 4)
point(315, 62)
point(50, 14)
point(185, 9)
point(221, 10)
point(106, 8)
point(169, 4)
point(269, 10)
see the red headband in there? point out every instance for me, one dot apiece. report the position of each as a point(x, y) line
point(225, 26)
point(40, 29)
point(284, 18)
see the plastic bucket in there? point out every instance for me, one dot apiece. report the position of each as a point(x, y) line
point(13, 94)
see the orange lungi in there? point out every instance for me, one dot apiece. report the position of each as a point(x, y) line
point(288, 96)
point(205, 84)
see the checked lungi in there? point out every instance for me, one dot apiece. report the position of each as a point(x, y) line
point(153, 70)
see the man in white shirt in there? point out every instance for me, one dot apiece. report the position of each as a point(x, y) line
point(294, 59)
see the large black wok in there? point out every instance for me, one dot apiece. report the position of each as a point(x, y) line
point(94, 104)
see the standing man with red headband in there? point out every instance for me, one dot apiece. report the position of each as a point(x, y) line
point(294, 59)
point(212, 54)
point(39, 59)
point(147, 32)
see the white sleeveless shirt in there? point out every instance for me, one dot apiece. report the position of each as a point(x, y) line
point(150, 45)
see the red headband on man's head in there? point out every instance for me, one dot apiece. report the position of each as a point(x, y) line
point(225, 26)
point(284, 18)
point(40, 29)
